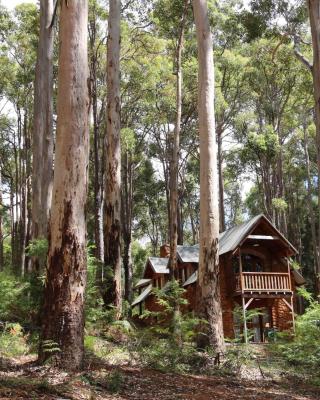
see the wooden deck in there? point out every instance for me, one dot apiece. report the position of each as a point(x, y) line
point(263, 283)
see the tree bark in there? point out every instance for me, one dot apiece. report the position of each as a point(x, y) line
point(208, 286)
point(180, 221)
point(127, 208)
point(98, 205)
point(42, 144)
point(1, 231)
point(63, 318)
point(314, 15)
point(175, 153)
point(112, 205)
point(312, 217)
point(23, 198)
point(221, 184)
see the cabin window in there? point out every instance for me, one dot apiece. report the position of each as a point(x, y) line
point(250, 263)
point(235, 264)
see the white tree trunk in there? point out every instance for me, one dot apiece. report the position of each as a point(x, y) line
point(42, 127)
point(63, 320)
point(208, 302)
point(112, 204)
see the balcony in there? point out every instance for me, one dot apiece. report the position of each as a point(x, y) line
point(263, 283)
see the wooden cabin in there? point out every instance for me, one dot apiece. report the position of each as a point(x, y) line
point(255, 272)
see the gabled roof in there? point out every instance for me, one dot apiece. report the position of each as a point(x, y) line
point(188, 254)
point(141, 283)
point(159, 265)
point(192, 279)
point(143, 295)
point(230, 240)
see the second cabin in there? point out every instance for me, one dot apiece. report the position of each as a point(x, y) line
point(255, 272)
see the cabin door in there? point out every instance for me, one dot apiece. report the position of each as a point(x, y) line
point(259, 326)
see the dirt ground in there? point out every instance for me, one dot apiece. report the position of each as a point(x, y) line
point(23, 379)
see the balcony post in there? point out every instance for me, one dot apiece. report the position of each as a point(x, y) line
point(291, 299)
point(245, 329)
point(240, 272)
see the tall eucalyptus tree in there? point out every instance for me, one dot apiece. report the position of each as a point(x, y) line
point(63, 317)
point(208, 287)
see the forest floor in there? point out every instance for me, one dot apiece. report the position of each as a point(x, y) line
point(22, 379)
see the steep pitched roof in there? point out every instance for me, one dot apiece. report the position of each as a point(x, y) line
point(188, 254)
point(229, 240)
point(159, 265)
point(142, 296)
point(192, 279)
point(141, 283)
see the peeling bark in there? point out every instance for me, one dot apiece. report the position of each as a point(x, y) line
point(62, 318)
point(208, 287)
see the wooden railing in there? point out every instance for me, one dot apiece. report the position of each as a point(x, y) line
point(263, 282)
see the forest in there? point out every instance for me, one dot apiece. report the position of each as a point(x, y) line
point(160, 199)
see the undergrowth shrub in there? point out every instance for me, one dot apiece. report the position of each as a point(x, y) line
point(302, 353)
point(20, 299)
point(168, 343)
point(239, 323)
point(97, 316)
point(115, 381)
point(13, 342)
point(236, 357)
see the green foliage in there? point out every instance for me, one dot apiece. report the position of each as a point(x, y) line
point(168, 344)
point(115, 381)
point(157, 352)
point(303, 352)
point(38, 248)
point(279, 204)
point(169, 318)
point(128, 139)
point(239, 318)
point(236, 357)
point(97, 316)
point(50, 347)
point(139, 256)
point(170, 297)
point(13, 342)
point(12, 293)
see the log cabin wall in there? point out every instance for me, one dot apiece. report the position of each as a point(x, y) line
point(280, 315)
point(226, 293)
point(264, 282)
